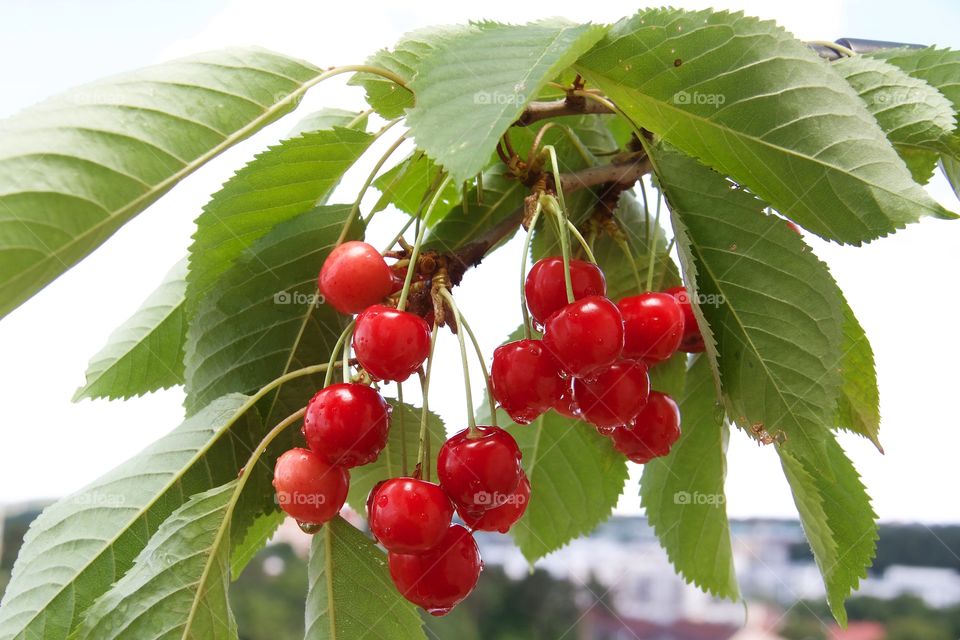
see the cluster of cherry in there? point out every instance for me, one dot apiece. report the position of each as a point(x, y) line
point(592, 362)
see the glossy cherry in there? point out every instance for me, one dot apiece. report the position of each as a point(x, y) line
point(692, 341)
point(408, 515)
point(355, 276)
point(585, 335)
point(390, 344)
point(546, 289)
point(525, 379)
point(308, 488)
point(441, 578)
point(653, 326)
point(566, 405)
point(505, 513)
point(653, 431)
point(477, 471)
point(614, 396)
point(347, 424)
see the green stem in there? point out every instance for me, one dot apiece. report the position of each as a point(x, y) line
point(583, 243)
point(335, 351)
point(359, 118)
point(646, 213)
point(483, 368)
point(666, 262)
point(403, 432)
point(415, 254)
point(471, 419)
point(652, 247)
point(422, 454)
point(550, 204)
point(628, 252)
point(555, 170)
point(523, 270)
point(346, 357)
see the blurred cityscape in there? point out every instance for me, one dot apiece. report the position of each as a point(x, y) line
point(617, 584)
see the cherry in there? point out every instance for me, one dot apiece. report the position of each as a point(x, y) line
point(347, 424)
point(692, 341)
point(475, 471)
point(546, 289)
point(505, 513)
point(408, 515)
point(585, 335)
point(794, 228)
point(566, 405)
point(615, 395)
point(442, 577)
point(390, 344)
point(355, 276)
point(308, 488)
point(653, 326)
point(652, 433)
point(525, 379)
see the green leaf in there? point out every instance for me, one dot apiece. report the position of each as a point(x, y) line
point(258, 533)
point(768, 308)
point(670, 376)
point(388, 99)
point(279, 184)
point(745, 97)
point(858, 407)
point(940, 68)
point(576, 478)
point(146, 352)
point(78, 546)
point(178, 584)
point(404, 426)
point(407, 186)
point(683, 492)
point(329, 118)
point(351, 594)
point(262, 319)
point(951, 169)
point(77, 167)
point(916, 118)
point(489, 72)
point(837, 519)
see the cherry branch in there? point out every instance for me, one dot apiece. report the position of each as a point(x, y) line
point(569, 106)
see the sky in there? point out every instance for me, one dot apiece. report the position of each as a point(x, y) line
point(898, 286)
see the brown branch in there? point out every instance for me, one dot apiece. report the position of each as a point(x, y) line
point(570, 106)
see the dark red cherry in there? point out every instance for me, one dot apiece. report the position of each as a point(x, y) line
point(585, 335)
point(355, 276)
point(408, 515)
point(546, 290)
point(652, 433)
point(441, 578)
point(390, 344)
point(653, 326)
point(308, 488)
point(505, 513)
point(477, 471)
point(525, 379)
point(347, 424)
point(692, 341)
point(614, 396)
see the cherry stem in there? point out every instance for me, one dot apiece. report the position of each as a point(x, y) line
point(462, 322)
point(355, 209)
point(411, 160)
point(628, 253)
point(258, 453)
point(523, 270)
point(415, 253)
point(328, 378)
point(403, 433)
point(551, 206)
point(652, 245)
point(583, 242)
point(663, 272)
point(646, 213)
point(346, 356)
point(471, 419)
point(422, 454)
point(359, 118)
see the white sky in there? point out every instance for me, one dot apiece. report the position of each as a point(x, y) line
point(899, 286)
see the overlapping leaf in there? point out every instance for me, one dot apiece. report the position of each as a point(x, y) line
point(351, 594)
point(146, 352)
point(746, 98)
point(683, 493)
point(859, 401)
point(491, 71)
point(409, 186)
point(77, 167)
point(77, 547)
point(328, 118)
point(940, 68)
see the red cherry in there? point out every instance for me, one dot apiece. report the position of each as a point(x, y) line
point(355, 276)
point(794, 228)
point(505, 514)
point(692, 341)
point(477, 471)
point(525, 379)
point(585, 335)
point(347, 424)
point(308, 488)
point(408, 515)
point(653, 326)
point(546, 289)
point(390, 344)
point(652, 433)
point(615, 395)
point(566, 405)
point(441, 578)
